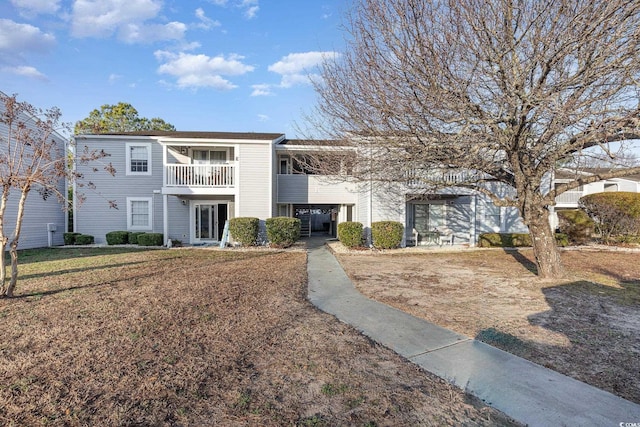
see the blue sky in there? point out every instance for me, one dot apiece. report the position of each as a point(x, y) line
point(218, 65)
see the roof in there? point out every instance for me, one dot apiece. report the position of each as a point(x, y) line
point(571, 174)
point(199, 134)
point(314, 142)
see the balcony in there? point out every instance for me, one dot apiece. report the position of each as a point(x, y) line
point(569, 199)
point(215, 178)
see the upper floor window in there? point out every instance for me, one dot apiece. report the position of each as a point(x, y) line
point(138, 158)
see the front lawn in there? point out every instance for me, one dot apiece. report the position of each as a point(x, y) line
point(199, 337)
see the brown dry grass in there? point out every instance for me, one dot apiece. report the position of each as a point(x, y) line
point(199, 337)
point(587, 326)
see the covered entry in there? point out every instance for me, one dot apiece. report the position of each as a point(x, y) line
point(322, 218)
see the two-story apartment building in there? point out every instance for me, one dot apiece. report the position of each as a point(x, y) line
point(44, 219)
point(187, 184)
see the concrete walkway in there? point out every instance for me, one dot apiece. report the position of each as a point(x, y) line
point(527, 392)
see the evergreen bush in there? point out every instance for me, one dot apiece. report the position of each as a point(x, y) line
point(244, 230)
point(117, 237)
point(513, 240)
point(387, 234)
point(615, 214)
point(576, 224)
point(282, 231)
point(133, 237)
point(350, 234)
point(70, 238)
point(151, 239)
point(84, 239)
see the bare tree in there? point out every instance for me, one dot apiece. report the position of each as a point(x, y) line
point(500, 92)
point(33, 156)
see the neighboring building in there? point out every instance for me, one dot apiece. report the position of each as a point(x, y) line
point(569, 199)
point(44, 221)
point(187, 184)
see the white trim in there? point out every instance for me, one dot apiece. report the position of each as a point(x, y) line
point(128, 147)
point(149, 201)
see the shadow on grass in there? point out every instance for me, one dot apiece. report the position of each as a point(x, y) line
point(218, 258)
point(28, 256)
point(522, 259)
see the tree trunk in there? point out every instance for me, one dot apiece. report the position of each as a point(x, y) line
point(3, 243)
point(14, 243)
point(543, 239)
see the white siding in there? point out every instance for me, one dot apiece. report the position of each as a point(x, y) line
point(254, 194)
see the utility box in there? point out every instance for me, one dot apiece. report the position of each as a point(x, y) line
point(52, 227)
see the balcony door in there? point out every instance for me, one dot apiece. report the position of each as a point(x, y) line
point(208, 157)
point(209, 221)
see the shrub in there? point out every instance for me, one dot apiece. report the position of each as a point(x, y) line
point(84, 239)
point(614, 213)
point(387, 234)
point(151, 239)
point(70, 238)
point(283, 231)
point(350, 234)
point(244, 230)
point(513, 240)
point(117, 237)
point(133, 237)
point(576, 224)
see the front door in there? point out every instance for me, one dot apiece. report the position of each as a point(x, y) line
point(209, 221)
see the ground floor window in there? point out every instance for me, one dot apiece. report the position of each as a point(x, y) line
point(139, 214)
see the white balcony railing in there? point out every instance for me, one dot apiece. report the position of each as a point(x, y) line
point(212, 175)
point(569, 197)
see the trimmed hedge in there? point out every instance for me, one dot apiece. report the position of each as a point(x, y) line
point(151, 239)
point(387, 234)
point(282, 231)
point(614, 213)
point(350, 234)
point(133, 237)
point(244, 230)
point(576, 224)
point(117, 237)
point(70, 238)
point(513, 240)
point(84, 239)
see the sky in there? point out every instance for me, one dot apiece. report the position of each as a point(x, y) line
point(208, 65)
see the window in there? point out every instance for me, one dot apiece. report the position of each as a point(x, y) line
point(139, 215)
point(138, 159)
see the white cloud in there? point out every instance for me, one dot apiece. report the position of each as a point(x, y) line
point(127, 18)
point(219, 2)
point(193, 71)
point(37, 6)
point(251, 12)
point(205, 22)
point(17, 39)
point(141, 33)
point(114, 78)
point(26, 71)
point(296, 68)
point(263, 118)
point(261, 90)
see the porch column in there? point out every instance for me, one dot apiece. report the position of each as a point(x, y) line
point(472, 230)
point(164, 165)
point(165, 218)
